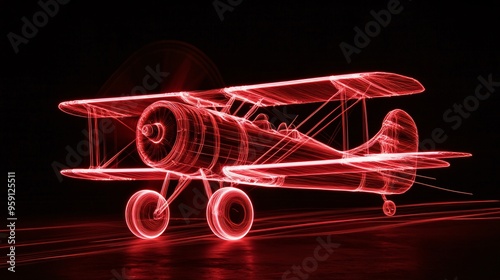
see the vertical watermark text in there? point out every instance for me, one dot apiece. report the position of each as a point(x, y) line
point(11, 220)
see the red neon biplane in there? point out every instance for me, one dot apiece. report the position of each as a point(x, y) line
point(197, 135)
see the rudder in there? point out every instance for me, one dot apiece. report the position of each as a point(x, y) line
point(398, 135)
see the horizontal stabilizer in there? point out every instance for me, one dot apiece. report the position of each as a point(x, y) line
point(368, 163)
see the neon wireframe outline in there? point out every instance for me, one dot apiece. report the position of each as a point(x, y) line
point(189, 136)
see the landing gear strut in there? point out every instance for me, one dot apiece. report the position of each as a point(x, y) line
point(229, 210)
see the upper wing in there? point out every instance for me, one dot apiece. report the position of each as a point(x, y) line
point(329, 88)
point(116, 107)
point(368, 163)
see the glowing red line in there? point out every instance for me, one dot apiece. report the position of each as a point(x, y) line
point(179, 136)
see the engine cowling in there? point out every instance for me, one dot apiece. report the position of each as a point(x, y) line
point(185, 138)
point(176, 137)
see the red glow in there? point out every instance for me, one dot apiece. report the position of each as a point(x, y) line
point(194, 136)
point(222, 206)
point(147, 214)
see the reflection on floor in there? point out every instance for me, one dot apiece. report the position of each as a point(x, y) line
point(448, 240)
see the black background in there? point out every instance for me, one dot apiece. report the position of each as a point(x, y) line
point(446, 47)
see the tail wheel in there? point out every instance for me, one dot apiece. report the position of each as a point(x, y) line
point(230, 213)
point(147, 214)
point(389, 208)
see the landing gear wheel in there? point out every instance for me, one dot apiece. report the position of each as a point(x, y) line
point(142, 217)
point(229, 213)
point(389, 208)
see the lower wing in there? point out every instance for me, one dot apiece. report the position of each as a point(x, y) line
point(355, 164)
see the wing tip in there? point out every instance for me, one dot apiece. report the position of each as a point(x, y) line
point(412, 85)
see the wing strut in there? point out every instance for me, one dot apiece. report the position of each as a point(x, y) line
point(252, 110)
point(93, 134)
point(366, 137)
point(345, 131)
point(206, 184)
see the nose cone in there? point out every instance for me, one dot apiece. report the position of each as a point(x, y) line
point(147, 130)
point(154, 132)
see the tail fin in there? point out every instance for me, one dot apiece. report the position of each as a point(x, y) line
point(398, 135)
